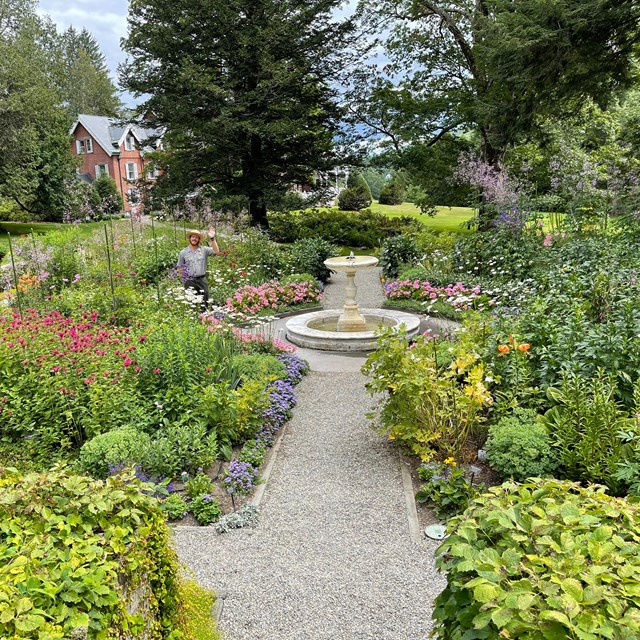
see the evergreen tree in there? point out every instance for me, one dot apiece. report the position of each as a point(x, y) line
point(242, 88)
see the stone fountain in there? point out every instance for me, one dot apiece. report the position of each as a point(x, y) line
point(352, 328)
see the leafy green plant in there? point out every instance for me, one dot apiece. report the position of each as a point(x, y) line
point(205, 509)
point(393, 192)
point(429, 405)
point(354, 199)
point(308, 256)
point(519, 447)
point(198, 485)
point(584, 426)
point(446, 488)
point(542, 560)
point(182, 446)
point(259, 366)
point(398, 251)
point(76, 553)
point(121, 447)
point(174, 506)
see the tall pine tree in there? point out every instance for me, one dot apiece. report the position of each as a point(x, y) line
point(242, 88)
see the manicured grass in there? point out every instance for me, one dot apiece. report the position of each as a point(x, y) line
point(452, 219)
point(24, 228)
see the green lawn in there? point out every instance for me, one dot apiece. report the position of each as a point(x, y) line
point(451, 219)
point(24, 228)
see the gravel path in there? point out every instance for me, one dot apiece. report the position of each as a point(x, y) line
point(332, 557)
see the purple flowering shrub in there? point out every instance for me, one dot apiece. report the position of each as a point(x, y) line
point(240, 477)
point(282, 399)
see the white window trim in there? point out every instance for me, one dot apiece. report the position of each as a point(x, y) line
point(130, 143)
point(84, 145)
point(102, 170)
point(134, 172)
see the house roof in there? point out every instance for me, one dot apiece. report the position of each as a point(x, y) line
point(110, 133)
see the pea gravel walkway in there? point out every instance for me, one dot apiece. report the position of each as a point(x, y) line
point(332, 557)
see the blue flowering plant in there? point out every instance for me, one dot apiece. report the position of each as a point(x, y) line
point(297, 368)
point(240, 477)
point(205, 509)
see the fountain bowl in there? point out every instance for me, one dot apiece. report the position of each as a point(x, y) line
point(317, 330)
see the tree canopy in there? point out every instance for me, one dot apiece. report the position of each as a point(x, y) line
point(242, 88)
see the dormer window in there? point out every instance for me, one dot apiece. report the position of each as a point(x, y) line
point(130, 143)
point(84, 145)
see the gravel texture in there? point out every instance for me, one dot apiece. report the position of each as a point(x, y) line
point(332, 556)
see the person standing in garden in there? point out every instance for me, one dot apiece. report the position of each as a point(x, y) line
point(192, 262)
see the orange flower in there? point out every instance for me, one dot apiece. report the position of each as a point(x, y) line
point(503, 348)
point(525, 346)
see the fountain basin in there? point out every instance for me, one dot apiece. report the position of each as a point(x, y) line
point(318, 330)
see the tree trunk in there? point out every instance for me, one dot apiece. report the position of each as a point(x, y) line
point(258, 213)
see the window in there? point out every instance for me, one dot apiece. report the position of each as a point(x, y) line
point(84, 146)
point(152, 172)
point(133, 196)
point(132, 171)
point(129, 143)
point(102, 170)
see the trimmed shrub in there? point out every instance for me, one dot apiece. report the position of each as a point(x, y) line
point(392, 193)
point(519, 447)
point(114, 449)
point(542, 560)
point(354, 199)
point(110, 198)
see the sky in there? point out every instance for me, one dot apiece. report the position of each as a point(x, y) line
point(106, 21)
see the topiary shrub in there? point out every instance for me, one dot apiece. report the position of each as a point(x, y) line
point(258, 366)
point(354, 199)
point(392, 193)
point(84, 558)
point(397, 251)
point(114, 449)
point(519, 447)
point(543, 560)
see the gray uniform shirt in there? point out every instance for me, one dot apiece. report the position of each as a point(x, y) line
point(195, 261)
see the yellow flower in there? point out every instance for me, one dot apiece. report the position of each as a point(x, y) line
point(451, 461)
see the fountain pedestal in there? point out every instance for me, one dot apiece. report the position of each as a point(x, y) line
point(351, 319)
point(352, 328)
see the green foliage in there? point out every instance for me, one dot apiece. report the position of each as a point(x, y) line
point(205, 509)
point(123, 447)
point(110, 198)
point(253, 452)
point(175, 507)
point(542, 560)
point(308, 256)
point(180, 446)
point(198, 485)
point(393, 192)
point(250, 103)
point(446, 488)
point(397, 251)
point(194, 615)
point(583, 427)
point(262, 367)
point(150, 266)
point(344, 228)
point(75, 552)
point(354, 199)
point(426, 408)
point(519, 447)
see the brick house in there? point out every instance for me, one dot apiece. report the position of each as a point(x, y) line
point(106, 147)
